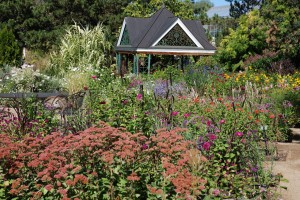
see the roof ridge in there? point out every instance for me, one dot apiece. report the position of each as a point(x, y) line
point(160, 11)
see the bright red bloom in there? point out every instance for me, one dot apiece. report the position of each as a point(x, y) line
point(272, 116)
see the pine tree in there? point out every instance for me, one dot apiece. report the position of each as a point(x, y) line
point(240, 7)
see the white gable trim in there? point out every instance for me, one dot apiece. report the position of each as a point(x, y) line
point(180, 51)
point(186, 30)
point(121, 34)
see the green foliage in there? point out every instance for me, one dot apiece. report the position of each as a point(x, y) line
point(10, 52)
point(238, 8)
point(247, 39)
point(165, 74)
point(40, 24)
point(201, 8)
point(283, 20)
point(28, 118)
point(140, 8)
point(81, 50)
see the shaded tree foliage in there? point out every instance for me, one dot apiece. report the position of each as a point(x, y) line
point(283, 19)
point(145, 8)
point(10, 52)
point(201, 8)
point(38, 24)
point(240, 7)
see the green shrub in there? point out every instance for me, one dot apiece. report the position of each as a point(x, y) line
point(10, 51)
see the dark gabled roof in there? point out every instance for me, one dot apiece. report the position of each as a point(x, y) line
point(198, 31)
point(144, 32)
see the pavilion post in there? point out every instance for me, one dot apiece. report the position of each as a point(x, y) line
point(149, 63)
point(137, 64)
point(118, 63)
point(182, 63)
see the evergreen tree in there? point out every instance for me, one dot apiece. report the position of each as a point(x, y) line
point(240, 7)
point(10, 52)
point(39, 24)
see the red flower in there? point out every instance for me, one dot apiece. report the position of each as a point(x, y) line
point(94, 77)
point(206, 146)
point(272, 116)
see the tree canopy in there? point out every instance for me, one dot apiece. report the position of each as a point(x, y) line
point(249, 38)
point(39, 24)
point(201, 8)
point(283, 19)
point(145, 8)
point(240, 7)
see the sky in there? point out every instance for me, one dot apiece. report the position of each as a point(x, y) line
point(219, 2)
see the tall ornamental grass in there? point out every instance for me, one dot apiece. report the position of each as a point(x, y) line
point(81, 49)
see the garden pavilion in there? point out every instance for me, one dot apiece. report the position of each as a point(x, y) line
point(161, 34)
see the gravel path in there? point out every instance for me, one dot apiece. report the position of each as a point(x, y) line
point(290, 169)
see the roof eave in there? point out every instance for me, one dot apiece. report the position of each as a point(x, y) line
point(166, 51)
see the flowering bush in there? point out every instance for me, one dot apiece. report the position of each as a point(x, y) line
point(101, 163)
point(27, 117)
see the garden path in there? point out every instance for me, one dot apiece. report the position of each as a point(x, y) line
point(290, 169)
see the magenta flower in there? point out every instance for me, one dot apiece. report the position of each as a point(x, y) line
point(174, 113)
point(145, 146)
point(239, 134)
point(212, 137)
point(94, 77)
point(206, 146)
point(186, 115)
point(222, 121)
point(208, 123)
point(139, 97)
